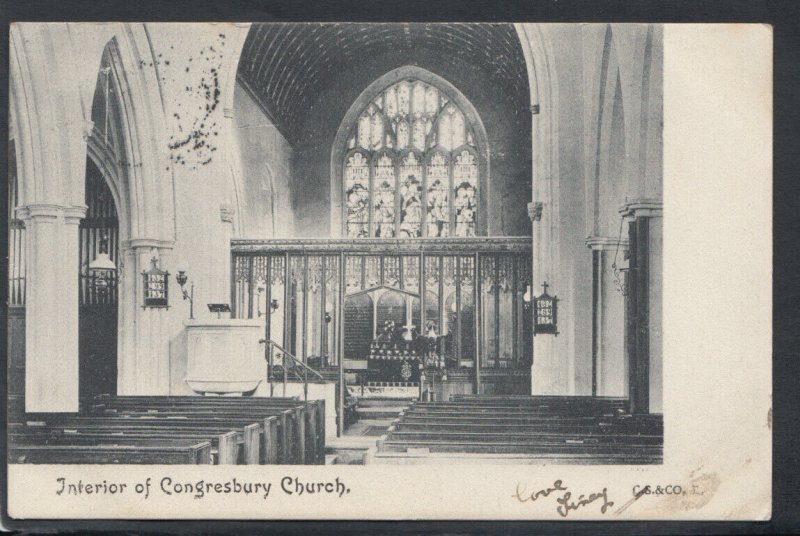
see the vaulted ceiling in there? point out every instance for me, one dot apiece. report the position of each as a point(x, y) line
point(286, 65)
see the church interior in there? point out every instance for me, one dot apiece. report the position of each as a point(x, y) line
point(335, 243)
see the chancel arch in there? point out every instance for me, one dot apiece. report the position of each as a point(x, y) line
point(410, 159)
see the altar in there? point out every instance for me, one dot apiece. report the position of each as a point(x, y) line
point(393, 359)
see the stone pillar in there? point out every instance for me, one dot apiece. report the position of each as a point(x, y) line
point(535, 215)
point(143, 355)
point(51, 333)
point(609, 363)
point(553, 366)
point(643, 305)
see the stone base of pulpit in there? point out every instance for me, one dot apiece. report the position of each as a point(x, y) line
point(218, 357)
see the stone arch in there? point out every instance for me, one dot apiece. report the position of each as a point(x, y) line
point(141, 179)
point(237, 33)
point(543, 83)
point(370, 92)
point(150, 198)
point(609, 161)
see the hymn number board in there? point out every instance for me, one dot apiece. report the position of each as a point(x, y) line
point(156, 286)
point(545, 315)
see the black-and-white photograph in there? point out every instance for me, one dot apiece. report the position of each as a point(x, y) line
point(335, 243)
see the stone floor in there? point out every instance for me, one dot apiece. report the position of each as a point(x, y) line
point(376, 411)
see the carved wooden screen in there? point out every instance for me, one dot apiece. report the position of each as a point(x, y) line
point(474, 301)
point(100, 228)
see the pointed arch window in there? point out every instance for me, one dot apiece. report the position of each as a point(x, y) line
point(413, 168)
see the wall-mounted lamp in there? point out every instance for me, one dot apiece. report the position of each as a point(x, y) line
point(273, 303)
point(620, 279)
point(102, 269)
point(182, 278)
point(527, 298)
point(620, 276)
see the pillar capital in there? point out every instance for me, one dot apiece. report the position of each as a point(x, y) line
point(643, 208)
point(603, 243)
point(147, 243)
point(50, 211)
point(74, 214)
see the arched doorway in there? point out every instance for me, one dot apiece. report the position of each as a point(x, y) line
point(98, 298)
point(98, 291)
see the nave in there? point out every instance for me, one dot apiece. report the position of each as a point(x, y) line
point(243, 430)
point(426, 212)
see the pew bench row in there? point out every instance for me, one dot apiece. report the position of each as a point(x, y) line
point(550, 429)
point(165, 430)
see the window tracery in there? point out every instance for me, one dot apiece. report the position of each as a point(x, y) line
point(412, 169)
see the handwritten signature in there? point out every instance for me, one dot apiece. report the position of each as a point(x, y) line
point(565, 502)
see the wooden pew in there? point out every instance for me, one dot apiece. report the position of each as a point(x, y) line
point(293, 419)
point(251, 403)
point(278, 429)
point(515, 447)
point(227, 446)
point(528, 438)
point(555, 429)
point(234, 445)
point(309, 449)
point(166, 453)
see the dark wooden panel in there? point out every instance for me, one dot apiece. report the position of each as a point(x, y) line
point(97, 342)
point(637, 311)
point(357, 326)
point(16, 350)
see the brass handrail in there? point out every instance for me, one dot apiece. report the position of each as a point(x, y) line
point(305, 368)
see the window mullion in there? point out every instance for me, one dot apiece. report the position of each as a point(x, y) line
point(451, 193)
point(371, 196)
point(397, 201)
point(424, 197)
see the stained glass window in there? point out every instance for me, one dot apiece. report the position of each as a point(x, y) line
point(377, 131)
point(391, 103)
point(402, 135)
point(364, 131)
point(419, 99)
point(419, 135)
point(465, 177)
point(410, 197)
point(445, 139)
point(383, 200)
point(356, 178)
point(403, 98)
point(457, 129)
point(438, 208)
point(424, 177)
